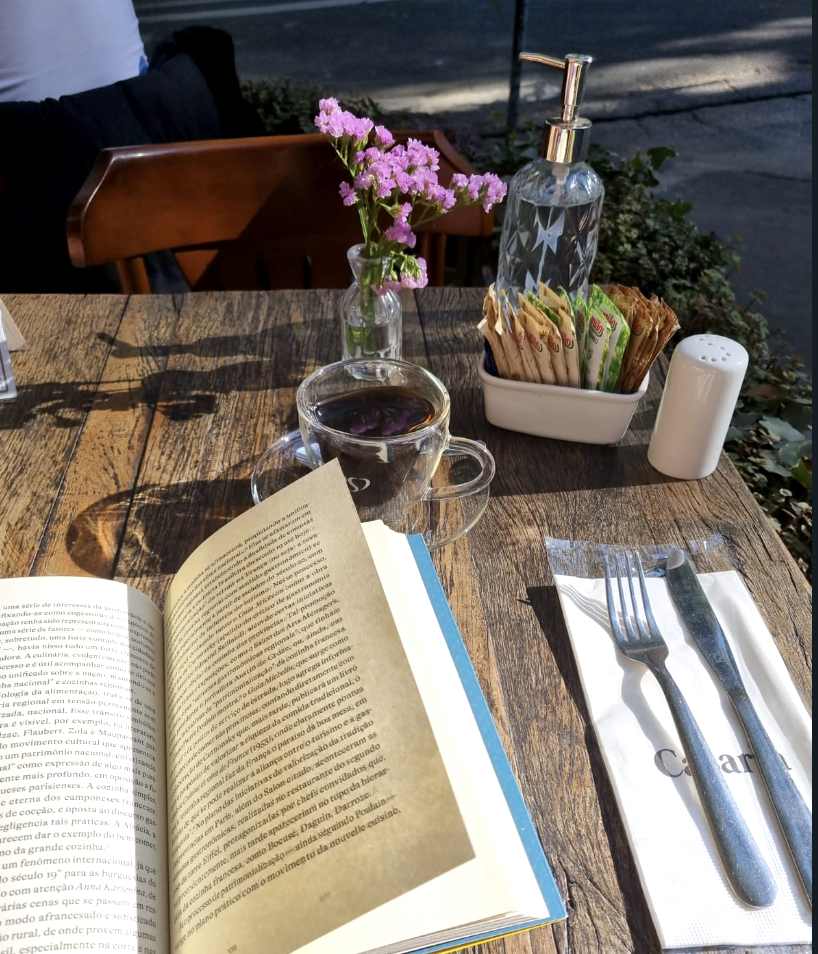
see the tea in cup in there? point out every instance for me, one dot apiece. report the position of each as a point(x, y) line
point(386, 422)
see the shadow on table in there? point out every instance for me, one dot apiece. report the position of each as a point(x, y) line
point(164, 524)
point(532, 465)
point(261, 360)
point(178, 394)
point(68, 404)
point(527, 464)
point(208, 347)
point(546, 605)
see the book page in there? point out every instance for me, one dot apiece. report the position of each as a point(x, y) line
point(495, 890)
point(305, 785)
point(82, 781)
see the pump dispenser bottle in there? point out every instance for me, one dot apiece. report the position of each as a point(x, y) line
point(552, 213)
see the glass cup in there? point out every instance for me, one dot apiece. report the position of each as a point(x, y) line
point(386, 421)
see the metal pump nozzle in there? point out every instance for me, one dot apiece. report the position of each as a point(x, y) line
point(564, 138)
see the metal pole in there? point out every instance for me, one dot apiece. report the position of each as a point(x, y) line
point(520, 13)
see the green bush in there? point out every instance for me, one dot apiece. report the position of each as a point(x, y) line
point(648, 241)
point(287, 108)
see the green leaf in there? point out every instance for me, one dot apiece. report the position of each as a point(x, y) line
point(798, 413)
point(745, 420)
point(790, 453)
point(773, 467)
point(660, 154)
point(802, 472)
point(780, 430)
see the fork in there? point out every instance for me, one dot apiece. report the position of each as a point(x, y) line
point(643, 643)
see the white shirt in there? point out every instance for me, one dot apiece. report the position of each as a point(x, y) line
point(53, 48)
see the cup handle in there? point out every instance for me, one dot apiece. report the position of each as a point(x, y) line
point(475, 491)
point(456, 447)
point(309, 453)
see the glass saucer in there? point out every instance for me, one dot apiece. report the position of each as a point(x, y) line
point(284, 461)
point(439, 522)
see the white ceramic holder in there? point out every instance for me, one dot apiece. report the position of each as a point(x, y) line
point(563, 413)
point(703, 384)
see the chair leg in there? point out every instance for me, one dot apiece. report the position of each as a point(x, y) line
point(133, 276)
point(433, 249)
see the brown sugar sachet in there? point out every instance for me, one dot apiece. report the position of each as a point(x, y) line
point(510, 358)
point(559, 310)
point(537, 333)
point(652, 323)
point(554, 337)
point(488, 328)
point(526, 352)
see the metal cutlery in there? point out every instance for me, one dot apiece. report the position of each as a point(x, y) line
point(642, 642)
point(698, 617)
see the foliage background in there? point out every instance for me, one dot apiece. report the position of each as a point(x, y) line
point(647, 240)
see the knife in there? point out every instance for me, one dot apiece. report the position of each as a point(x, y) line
point(792, 812)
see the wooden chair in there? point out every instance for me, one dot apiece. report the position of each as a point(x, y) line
point(241, 214)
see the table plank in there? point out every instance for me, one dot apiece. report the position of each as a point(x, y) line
point(58, 381)
point(98, 488)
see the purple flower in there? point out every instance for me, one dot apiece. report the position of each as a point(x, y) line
point(396, 181)
point(357, 129)
point(401, 232)
point(419, 280)
point(404, 181)
point(496, 190)
point(328, 119)
point(348, 194)
point(383, 137)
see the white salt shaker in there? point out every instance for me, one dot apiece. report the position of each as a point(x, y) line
point(703, 384)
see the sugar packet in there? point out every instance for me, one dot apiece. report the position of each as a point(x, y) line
point(537, 332)
point(549, 319)
point(597, 342)
point(618, 342)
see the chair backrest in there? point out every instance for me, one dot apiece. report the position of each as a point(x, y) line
point(241, 214)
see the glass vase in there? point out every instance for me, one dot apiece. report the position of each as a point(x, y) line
point(371, 323)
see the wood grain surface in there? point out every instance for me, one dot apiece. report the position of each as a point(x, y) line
point(133, 438)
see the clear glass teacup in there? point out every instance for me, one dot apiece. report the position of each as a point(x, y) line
point(386, 422)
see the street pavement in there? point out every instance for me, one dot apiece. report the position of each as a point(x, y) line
point(726, 84)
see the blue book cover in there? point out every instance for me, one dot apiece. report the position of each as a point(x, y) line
point(494, 746)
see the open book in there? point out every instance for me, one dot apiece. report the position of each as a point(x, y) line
point(297, 756)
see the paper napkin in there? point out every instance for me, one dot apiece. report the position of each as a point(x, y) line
point(681, 874)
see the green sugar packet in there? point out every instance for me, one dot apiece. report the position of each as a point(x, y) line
point(598, 330)
point(618, 342)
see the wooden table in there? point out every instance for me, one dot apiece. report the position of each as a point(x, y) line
point(133, 438)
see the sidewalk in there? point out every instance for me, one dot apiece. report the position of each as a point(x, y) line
point(746, 168)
